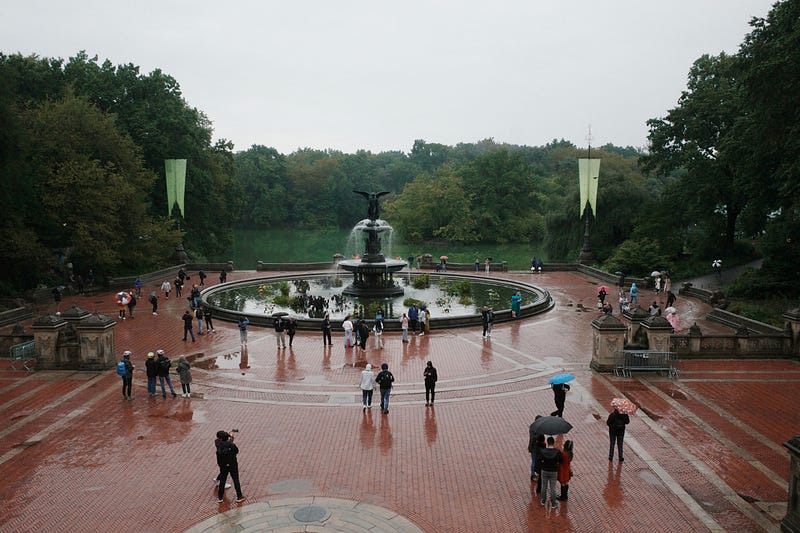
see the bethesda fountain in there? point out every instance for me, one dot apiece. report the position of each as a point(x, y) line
point(373, 274)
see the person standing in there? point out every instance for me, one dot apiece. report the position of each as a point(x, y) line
point(422, 321)
point(485, 320)
point(385, 380)
point(137, 283)
point(127, 379)
point(486, 264)
point(198, 315)
point(634, 294)
point(565, 470)
point(223, 276)
point(616, 423)
point(217, 441)
point(550, 459)
point(427, 314)
point(559, 396)
point(363, 334)
point(185, 376)
point(195, 295)
point(516, 300)
point(404, 327)
point(291, 329)
point(178, 283)
point(228, 463)
point(667, 283)
point(242, 325)
point(132, 304)
point(347, 325)
point(413, 317)
point(536, 441)
point(430, 383)
point(671, 299)
point(378, 327)
point(280, 328)
point(164, 365)
point(208, 318)
point(367, 386)
point(601, 294)
point(166, 287)
point(154, 302)
point(477, 265)
point(326, 331)
point(151, 367)
point(187, 325)
point(202, 275)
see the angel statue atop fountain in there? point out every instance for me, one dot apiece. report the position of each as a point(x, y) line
point(372, 197)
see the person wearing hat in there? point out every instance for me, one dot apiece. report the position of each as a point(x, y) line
point(127, 379)
point(385, 380)
point(163, 364)
point(228, 464)
point(367, 386)
point(151, 367)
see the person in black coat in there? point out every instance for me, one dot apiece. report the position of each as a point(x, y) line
point(326, 331)
point(228, 464)
point(291, 329)
point(152, 371)
point(430, 383)
point(616, 423)
point(559, 396)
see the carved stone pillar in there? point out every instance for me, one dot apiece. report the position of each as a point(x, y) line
point(793, 325)
point(609, 337)
point(637, 338)
point(791, 522)
point(46, 332)
point(96, 338)
point(658, 331)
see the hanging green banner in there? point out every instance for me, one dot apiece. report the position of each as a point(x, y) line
point(588, 176)
point(176, 184)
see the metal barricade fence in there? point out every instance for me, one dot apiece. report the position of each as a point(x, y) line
point(628, 361)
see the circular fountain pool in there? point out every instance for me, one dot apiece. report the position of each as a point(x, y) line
point(453, 300)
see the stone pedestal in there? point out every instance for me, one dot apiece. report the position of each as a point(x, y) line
point(609, 337)
point(658, 331)
point(637, 337)
point(791, 523)
point(46, 332)
point(793, 326)
point(96, 337)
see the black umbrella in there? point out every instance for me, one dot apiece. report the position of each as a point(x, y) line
point(550, 425)
point(279, 314)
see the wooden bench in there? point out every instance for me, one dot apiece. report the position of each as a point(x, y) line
point(24, 354)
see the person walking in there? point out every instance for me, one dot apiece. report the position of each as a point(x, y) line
point(242, 325)
point(209, 320)
point(378, 326)
point(187, 324)
point(367, 387)
point(164, 364)
point(550, 458)
point(202, 275)
point(516, 300)
point(347, 325)
point(151, 367)
point(536, 441)
point(362, 330)
point(291, 329)
point(280, 329)
point(167, 288)
point(228, 463)
point(616, 423)
point(385, 380)
point(127, 377)
point(137, 283)
point(217, 441)
point(153, 298)
point(132, 304)
point(223, 275)
point(404, 327)
point(185, 376)
point(559, 396)
point(326, 331)
point(427, 314)
point(430, 383)
point(671, 299)
point(423, 317)
point(178, 284)
point(634, 294)
point(485, 319)
point(565, 470)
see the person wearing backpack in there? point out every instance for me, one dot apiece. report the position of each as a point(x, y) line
point(164, 365)
point(125, 371)
point(385, 380)
point(243, 330)
point(198, 314)
point(228, 464)
point(616, 432)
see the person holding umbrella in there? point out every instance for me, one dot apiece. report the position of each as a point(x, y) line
point(560, 388)
point(616, 423)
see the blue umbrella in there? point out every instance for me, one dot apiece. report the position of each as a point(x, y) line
point(558, 379)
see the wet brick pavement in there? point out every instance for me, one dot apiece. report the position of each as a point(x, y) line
point(703, 453)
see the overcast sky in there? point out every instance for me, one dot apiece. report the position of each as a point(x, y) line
point(376, 75)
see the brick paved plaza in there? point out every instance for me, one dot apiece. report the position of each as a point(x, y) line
point(704, 452)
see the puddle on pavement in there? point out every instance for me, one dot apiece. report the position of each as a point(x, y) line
point(233, 360)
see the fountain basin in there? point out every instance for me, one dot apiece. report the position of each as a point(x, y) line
point(373, 279)
point(230, 301)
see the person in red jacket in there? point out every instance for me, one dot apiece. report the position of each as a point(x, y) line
point(565, 470)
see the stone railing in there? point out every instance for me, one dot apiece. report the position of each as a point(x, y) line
point(12, 316)
point(169, 273)
point(293, 267)
point(741, 345)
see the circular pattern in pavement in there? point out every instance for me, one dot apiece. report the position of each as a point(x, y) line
point(307, 514)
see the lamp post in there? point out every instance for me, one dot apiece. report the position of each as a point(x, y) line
point(175, 170)
point(588, 176)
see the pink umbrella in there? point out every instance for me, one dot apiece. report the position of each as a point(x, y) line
point(603, 288)
point(624, 405)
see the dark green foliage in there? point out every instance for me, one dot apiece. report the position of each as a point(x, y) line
point(422, 281)
point(638, 258)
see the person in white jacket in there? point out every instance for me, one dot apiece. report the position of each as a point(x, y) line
point(367, 386)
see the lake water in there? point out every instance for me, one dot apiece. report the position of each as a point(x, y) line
point(288, 246)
